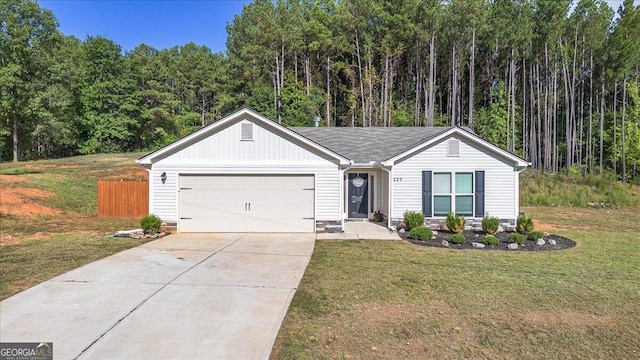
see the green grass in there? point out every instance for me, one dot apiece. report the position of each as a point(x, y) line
point(73, 181)
point(576, 190)
point(17, 171)
point(84, 163)
point(380, 299)
point(37, 247)
point(31, 262)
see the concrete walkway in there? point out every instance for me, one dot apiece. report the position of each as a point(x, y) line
point(355, 230)
point(185, 296)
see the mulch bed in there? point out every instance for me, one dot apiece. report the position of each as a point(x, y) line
point(472, 236)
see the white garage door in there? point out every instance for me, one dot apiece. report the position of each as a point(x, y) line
point(246, 203)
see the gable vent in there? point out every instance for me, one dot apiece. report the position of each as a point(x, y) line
point(453, 147)
point(246, 132)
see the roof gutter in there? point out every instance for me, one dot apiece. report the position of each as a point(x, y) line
point(520, 169)
point(145, 165)
point(369, 165)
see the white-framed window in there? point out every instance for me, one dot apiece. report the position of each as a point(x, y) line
point(453, 193)
point(461, 193)
point(441, 194)
point(464, 194)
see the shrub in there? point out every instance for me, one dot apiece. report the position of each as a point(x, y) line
point(524, 224)
point(490, 240)
point(150, 224)
point(535, 235)
point(455, 223)
point(421, 233)
point(490, 225)
point(457, 239)
point(413, 219)
point(517, 238)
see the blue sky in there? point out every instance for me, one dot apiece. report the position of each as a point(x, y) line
point(160, 24)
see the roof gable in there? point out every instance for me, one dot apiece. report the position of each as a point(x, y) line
point(467, 136)
point(229, 121)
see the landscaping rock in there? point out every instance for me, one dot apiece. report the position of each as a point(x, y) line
point(128, 232)
point(441, 240)
point(138, 234)
point(401, 231)
point(513, 246)
point(478, 245)
point(540, 242)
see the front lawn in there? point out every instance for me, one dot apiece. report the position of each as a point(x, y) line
point(31, 262)
point(48, 222)
point(382, 299)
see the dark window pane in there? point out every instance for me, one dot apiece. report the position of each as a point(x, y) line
point(464, 205)
point(441, 205)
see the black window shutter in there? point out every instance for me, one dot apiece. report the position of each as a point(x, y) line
point(479, 194)
point(426, 193)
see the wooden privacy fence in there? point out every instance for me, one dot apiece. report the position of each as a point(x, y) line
point(124, 199)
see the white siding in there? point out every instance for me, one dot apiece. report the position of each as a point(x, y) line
point(226, 145)
point(224, 153)
point(500, 182)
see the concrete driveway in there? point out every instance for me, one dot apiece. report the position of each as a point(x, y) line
point(185, 296)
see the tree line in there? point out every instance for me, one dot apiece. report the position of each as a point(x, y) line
point(552, 81)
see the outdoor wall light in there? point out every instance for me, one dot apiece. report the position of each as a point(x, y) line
point(163, 177)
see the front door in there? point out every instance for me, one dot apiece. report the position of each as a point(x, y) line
point(358, 191)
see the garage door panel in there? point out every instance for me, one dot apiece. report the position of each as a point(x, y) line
point(246, 203)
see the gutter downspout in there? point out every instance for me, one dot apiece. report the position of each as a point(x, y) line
point(389, 203)
point(343, 199)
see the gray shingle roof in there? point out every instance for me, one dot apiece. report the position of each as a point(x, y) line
point(365, 144)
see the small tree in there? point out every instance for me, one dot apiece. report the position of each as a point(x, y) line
point(150, 224)
point(455, 223)
point(413, 219)
point(490, 225)
point(524, 224)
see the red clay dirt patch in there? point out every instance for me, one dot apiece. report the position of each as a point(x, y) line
point(541, 226)
point(569, 319)
point(4, 179)
point(17, 201)
point(129, 174)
